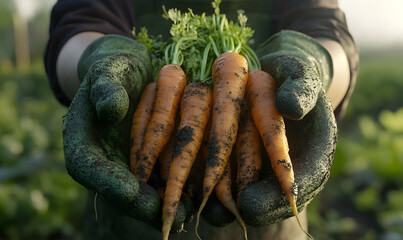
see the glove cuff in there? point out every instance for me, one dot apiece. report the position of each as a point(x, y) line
point(298, 44)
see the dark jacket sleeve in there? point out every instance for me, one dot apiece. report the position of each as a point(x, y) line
point(320, 19)
point(70, 17)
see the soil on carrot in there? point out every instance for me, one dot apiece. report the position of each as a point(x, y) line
point(249, 171)
point(183, 137)
point(141, 171)
point(239, 104)
point(195, 90)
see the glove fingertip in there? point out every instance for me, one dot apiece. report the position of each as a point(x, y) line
point(216, 214)
point(180, 218)
point(297, 97)
point(289, 105)
point(112, 106)
point(146, 204)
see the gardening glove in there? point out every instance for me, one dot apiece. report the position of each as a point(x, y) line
point(302, 69)
point(96, 129)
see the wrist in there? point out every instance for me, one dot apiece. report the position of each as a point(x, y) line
point(67, 61)
point(341, 71)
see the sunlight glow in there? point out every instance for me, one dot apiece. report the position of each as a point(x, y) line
point(28, 8)
point(374, 22)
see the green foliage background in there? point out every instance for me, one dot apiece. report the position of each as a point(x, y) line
point(38, 200)
point(364, 196)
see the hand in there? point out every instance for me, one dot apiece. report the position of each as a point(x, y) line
point(302, 69)
point(96, 130)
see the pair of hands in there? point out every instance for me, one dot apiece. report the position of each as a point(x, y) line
point(96, 130)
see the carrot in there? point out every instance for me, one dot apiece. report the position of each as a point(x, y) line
point(223, 193)
point(170, 84)
point(261, 92)
point(140, 120)
point(165, 158)
point(196, 174)
point(195, 179)
point(195, 113)
point(229, 74)
point(248, 151)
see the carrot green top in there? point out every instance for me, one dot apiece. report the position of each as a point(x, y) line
point(196, 40)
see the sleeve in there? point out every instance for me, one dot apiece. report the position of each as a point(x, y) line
point(70, 17)
point(320, 19)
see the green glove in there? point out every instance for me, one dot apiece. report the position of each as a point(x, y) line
point(302, 69)
point(96, 130)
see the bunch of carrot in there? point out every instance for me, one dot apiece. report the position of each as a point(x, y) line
point(209, 98)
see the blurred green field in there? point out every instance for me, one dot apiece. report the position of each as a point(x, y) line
point(363, 198)
point(38, 200)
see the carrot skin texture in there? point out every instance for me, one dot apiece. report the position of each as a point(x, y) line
point(195, 180)
point(195, 112)
point(141, 118)
point(229, 74)
point(224, 195)
point(170, 84)
point(248, 148)
point(165, 157)
point(261, 90)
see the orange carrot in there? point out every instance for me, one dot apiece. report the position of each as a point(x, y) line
point(248, 151)
point(165, 158)
point(229, 74)
point(195, 179)
point(195, 113)
point(140, 120)
point(196, 174)
point(170, 84)
point(223, 193)
point(261, 92)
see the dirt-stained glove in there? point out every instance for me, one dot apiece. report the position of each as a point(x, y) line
point(302, 69)
point(96, 130)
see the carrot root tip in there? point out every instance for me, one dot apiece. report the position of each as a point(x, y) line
point(198, 216)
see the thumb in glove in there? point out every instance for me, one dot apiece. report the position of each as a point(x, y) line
point(301, 67)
